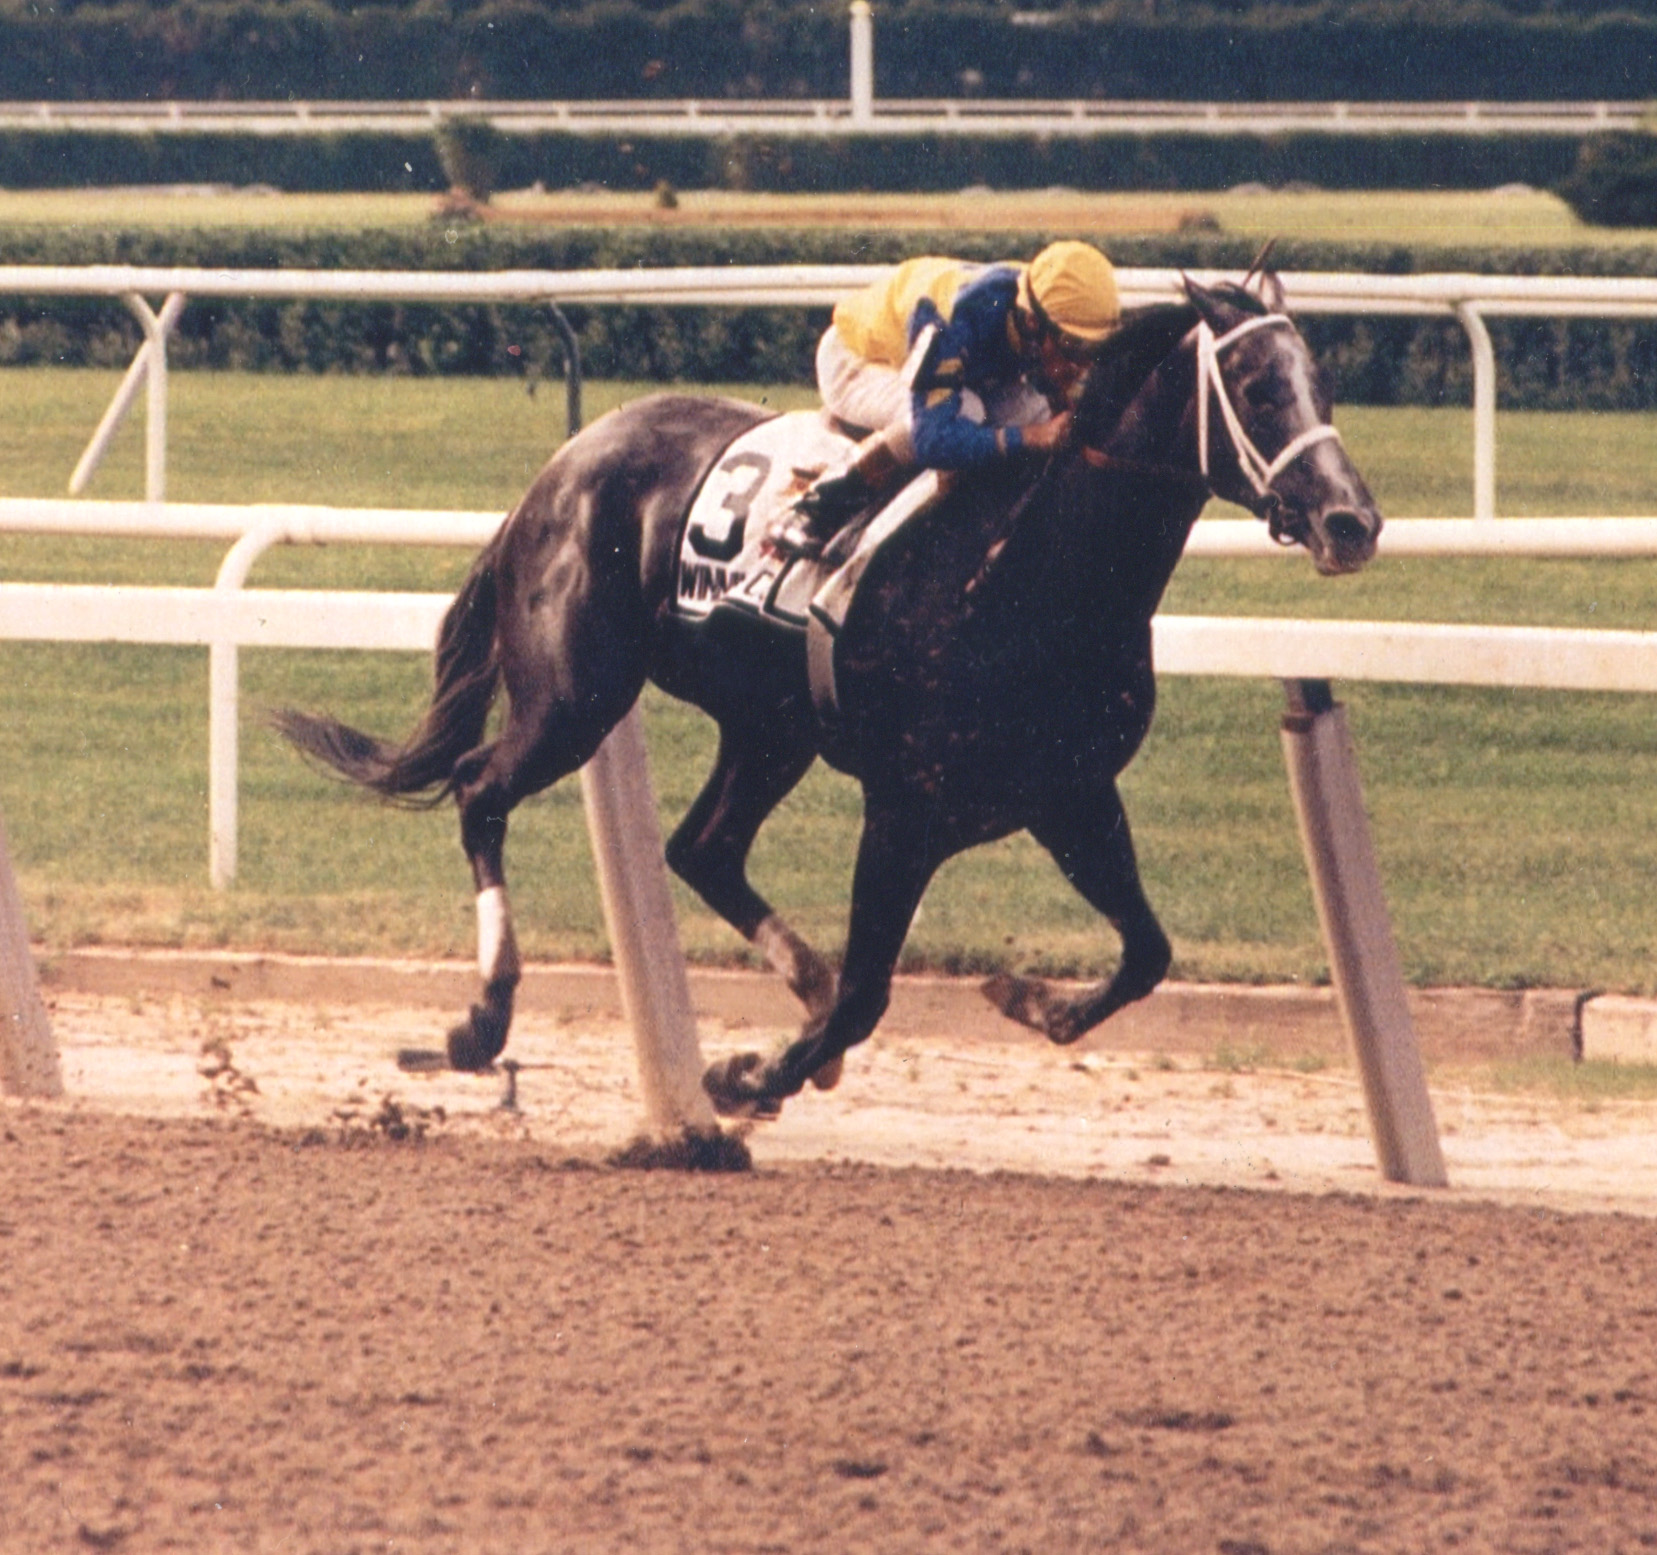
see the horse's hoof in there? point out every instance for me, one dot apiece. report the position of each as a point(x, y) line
point(1063, 1026)
point(1032, 1003)
point(477, 1041)
point(1024, 999)
point(735, 1090)
point(828, 1076)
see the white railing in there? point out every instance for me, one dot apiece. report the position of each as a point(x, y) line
point(1470, 299)
point(620, 806)
point(836, 116)
point(230, 616)
point(1304, 653)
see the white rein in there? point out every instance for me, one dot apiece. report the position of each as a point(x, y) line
point(1257, 469)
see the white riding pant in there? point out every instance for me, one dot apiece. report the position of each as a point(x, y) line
point(876, 395)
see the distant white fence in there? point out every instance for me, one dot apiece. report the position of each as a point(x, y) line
point(836, 117)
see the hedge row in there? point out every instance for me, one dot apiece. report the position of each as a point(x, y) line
point(1389, 361)
point(45, 159)
point(1386, 49)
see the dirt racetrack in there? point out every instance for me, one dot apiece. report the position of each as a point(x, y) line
point(259, 1291)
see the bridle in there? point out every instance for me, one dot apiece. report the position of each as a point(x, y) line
point(1260, 472)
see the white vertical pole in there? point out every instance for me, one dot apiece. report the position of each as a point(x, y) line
point(124, 396)
point(1484, 409)
point(28, 1056)
point(862, 64)
point(224, 702)
point(155, 410)
point(223, 754)
point(644, 934)
point(1363, 956)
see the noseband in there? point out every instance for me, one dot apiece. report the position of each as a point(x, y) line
point(1259, 471)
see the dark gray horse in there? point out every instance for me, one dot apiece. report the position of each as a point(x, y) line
point(994, 672)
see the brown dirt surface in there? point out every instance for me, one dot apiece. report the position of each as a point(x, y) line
point(261, 1291)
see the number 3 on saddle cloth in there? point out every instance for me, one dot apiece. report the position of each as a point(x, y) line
point(724, 563)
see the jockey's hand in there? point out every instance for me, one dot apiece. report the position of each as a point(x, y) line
point(1044, 436)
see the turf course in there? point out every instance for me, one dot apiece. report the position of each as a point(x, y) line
point(1506, 218)
point(1516, 829)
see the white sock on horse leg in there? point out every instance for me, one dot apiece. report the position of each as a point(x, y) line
point(497, 945)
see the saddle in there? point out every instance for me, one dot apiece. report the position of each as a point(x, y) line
point(725, 564)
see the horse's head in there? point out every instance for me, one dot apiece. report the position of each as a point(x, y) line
point(1264, 437)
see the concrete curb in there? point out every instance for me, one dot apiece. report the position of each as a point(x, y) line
point(1254, 1023)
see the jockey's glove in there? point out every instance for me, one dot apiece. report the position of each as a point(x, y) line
point(827, 503)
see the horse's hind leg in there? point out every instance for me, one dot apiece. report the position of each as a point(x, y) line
point(758, 765)
point(1092, 844)
point(540, 745)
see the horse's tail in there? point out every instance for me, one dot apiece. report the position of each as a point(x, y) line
point(422, 770)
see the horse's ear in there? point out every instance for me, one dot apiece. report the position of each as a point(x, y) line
point(1216, 311)
point(1270, 288)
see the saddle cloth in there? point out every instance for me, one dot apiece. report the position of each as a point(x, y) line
point(725, 564)
point(723, 560)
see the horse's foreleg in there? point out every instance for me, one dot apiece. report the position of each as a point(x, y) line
point(755, 771)
point(893, 868)
point(1097, 857)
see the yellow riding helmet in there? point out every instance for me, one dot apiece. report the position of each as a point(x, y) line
point(1073, 287)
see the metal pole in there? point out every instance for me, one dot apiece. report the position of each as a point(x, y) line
point(620, 805)
point(572, 370)
point(28, 1056)
point(644, 933)
point(1363, 956)
point(1484, 409)
point(155, 418)
point(862, 64)
point(124, 396)
point(224, 704)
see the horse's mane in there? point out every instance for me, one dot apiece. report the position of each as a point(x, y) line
point(1126, 360)
point(1134, 352)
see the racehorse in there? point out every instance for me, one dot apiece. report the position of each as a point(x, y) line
point(993, 672)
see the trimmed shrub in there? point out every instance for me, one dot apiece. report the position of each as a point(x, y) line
point(1614, 182)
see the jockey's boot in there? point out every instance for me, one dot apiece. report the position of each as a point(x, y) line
point(834, 498)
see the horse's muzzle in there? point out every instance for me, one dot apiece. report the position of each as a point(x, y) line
point(1342, 540)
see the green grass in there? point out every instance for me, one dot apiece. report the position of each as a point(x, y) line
point(1517, 830)
point(1513, 219)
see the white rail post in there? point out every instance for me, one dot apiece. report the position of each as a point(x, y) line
point(224, 704)
point(28, 1056)
point(155, 409)
point(620, 805)
point(124, 396)
point(862, 64)
point(1363, 956)
point(1484, 409)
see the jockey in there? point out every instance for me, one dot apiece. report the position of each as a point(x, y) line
point(947, 365)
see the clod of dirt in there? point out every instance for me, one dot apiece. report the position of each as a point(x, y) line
point(399, 1122)
point(691, 1151)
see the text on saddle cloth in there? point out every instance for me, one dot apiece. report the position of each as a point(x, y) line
point(723, 559)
